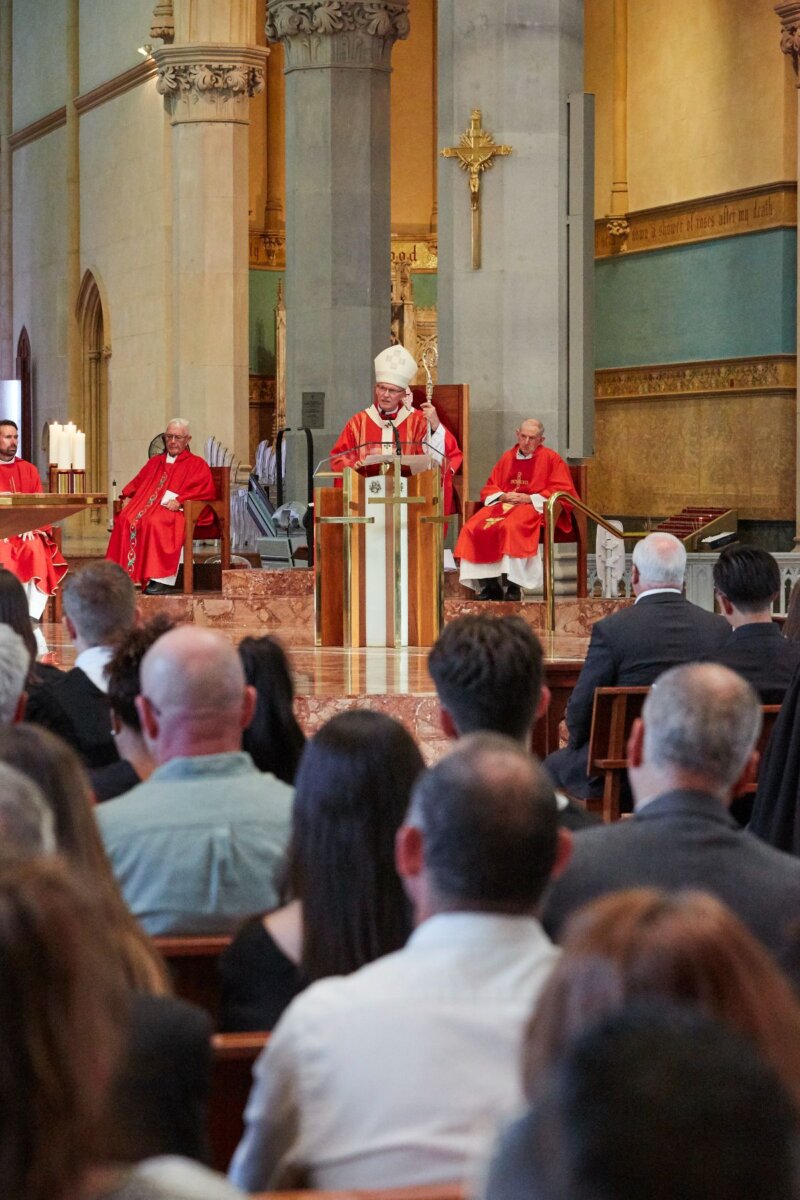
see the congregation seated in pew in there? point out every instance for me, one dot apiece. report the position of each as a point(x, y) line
point(345, 901)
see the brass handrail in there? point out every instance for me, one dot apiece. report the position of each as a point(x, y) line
point(549, 580)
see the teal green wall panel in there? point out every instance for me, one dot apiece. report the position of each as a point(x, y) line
point(728, 298)
point(423, 289)
point(263, 298)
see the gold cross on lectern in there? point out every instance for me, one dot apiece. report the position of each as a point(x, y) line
point(476, 153)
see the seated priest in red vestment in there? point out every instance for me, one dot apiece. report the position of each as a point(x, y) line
point(502, 538)
point(147, 538)
point(390, 422)
point(33, 556)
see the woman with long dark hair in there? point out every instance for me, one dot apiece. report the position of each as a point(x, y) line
point(345, 903)
point(273, 739)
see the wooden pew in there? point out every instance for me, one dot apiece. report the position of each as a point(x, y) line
point(193, 964)
point(231, 1076)
point(615, 710)
point(433, 1191)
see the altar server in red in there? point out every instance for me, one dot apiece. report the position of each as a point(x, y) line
point(502, 538)
point(33, 556)
point(148, 534)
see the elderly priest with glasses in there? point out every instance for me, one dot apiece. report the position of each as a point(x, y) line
point(148, 534)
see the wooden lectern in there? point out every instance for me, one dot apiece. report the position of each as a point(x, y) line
point(379, 553)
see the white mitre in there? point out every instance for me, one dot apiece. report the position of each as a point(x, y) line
point(395, 366)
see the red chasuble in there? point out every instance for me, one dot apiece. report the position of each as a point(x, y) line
point(35, 558)
point(147, 538)
point(512, 530)
point(369, 433)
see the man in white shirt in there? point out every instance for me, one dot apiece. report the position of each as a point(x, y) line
point(399, 1073)
point(99, 608)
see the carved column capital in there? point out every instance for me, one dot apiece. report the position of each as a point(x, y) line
point(210, 82)
point(789, 14)
point(163, 23)
point(337, 33)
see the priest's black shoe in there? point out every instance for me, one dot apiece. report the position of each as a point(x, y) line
point(513, 592)
point(158, 589)
point(491, 590)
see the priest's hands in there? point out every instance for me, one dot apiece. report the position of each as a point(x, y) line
point(430, 414)
point(515, 498)
point(172, 505)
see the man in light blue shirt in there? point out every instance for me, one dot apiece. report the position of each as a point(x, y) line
point(201, 843)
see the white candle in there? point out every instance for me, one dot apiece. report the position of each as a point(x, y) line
point(79, 451)
point(63, 446)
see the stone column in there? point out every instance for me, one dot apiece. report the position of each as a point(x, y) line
point(789, 15)
point(337, 64)
point(503, 328)
point(73, 215)
point(207, 89)
point(7, 348)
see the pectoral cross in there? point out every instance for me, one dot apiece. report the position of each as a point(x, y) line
point(476, 153)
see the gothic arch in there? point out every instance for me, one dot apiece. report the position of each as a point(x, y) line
point(25, 376)
point(92, 315)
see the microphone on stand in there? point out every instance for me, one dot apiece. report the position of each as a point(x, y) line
point(398, 449)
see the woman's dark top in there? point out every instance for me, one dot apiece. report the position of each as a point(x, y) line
point(258, 980)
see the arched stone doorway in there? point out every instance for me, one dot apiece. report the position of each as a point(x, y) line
point(23, 370)
point(95, 353)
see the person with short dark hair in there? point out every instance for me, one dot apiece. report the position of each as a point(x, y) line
point(33, 557)
point(273, 739)
point(135, 762)
point(489, 675)
point(690, 752)
point(99, 609)
point(656, 1101)
point(747, 581)
point(346, 904)
point(395, 1075)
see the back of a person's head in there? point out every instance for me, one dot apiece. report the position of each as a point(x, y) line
point(352, 792)
point(15, 664)
point(122, 671)
point(62, 1004)
point(14, 610)
point(701, 718)
point(194, 675)
point(488, 673)
point(654, 1101)
point(273, 738)
point(26, 822)
point(100, 601)
point(687, 947)
point(489, 820)
point(660, 558)
point(747, 576)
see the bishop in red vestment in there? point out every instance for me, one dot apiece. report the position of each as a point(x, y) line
point(502, 538)
point(33, 556)
point(147, 538)
point(390, 421)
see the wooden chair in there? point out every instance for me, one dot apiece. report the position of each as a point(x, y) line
point(615, 710)
point(221, 507)
point(577, 534)
point(231, 1077)
point(451, 401)
point(193, 964)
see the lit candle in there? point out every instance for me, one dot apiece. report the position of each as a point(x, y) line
point(64, 448)
point(79, 451)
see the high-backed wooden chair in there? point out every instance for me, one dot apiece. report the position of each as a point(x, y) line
point(451, 401)
point(231, 1077)
point(193, 964)
point(221, 508)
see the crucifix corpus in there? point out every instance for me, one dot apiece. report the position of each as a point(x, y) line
point(476, 153)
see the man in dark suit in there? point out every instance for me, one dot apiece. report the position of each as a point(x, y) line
point(747, 581)
point(489, 677)
point(688, 754)
point(633, 646)
point(99, 608)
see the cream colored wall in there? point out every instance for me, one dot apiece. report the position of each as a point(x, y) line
point(39, 32)
point(707, 110)
point(413, 135)
point(125, 205)
point(40, 302)
point(599, 79)
point(257, 135)
point(111, 31)
point(209, 21)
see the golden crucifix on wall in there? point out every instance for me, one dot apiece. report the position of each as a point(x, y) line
point(476, 153)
